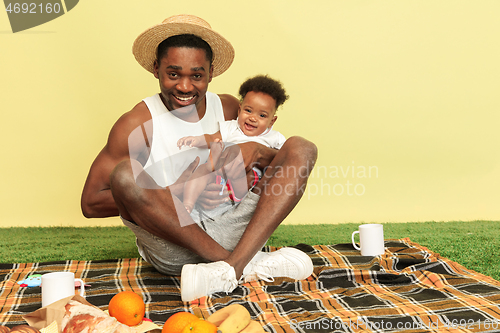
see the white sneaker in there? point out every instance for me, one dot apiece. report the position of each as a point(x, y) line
point(198, 280)
point(248, 272)
point(285, 262)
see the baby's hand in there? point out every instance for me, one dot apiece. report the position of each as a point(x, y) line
point(190, 141)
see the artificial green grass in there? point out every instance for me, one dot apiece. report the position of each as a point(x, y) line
point(23, 245)
point(474, 245)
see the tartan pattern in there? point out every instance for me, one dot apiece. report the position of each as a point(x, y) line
point(409, 289)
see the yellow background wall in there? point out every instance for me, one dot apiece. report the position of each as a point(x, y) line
point(403, 93)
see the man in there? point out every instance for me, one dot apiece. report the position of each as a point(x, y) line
point(139, 174)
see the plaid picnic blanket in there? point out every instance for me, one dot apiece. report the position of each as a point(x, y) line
point(409, 289)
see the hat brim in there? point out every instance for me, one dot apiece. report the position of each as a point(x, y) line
point(146, 44)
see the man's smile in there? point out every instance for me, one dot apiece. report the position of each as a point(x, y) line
point(184, 100)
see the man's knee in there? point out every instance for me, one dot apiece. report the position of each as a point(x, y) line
point(121, 177)
point(124, 187)
point(128, 180)
point(302, 149)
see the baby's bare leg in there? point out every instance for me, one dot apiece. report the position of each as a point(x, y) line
point(216, 149)
point(197, 182)
point(195, 185)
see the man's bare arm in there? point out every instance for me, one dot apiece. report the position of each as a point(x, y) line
point(97, 200)
point(230, 106)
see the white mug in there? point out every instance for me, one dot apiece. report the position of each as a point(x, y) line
point(59, 285)
point(371, 239)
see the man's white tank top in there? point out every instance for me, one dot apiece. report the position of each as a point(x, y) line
point(166, 162)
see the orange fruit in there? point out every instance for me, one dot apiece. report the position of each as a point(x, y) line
point(127, 307)
point(200, 326)
point(177, 322)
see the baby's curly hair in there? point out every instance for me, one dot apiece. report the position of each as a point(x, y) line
point(266, 85)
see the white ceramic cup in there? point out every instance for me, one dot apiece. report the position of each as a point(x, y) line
point(371, 239)
point(58, 285)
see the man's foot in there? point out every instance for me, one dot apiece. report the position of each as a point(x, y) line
point(285, 262)
point(200, 280)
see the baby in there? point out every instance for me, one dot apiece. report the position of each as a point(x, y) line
point(260, 97)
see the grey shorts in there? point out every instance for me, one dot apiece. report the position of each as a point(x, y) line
point(225, 228)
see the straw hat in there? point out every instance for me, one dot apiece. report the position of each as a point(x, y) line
point(145, 46)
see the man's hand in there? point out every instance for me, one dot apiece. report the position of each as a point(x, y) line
point(231, 164)
point(177, 188)
point(236, 161)
point(213, 196)
point(256, 155)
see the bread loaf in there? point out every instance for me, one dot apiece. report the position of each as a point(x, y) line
point(83, 318)
point(4, 329)
point(23, 329)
